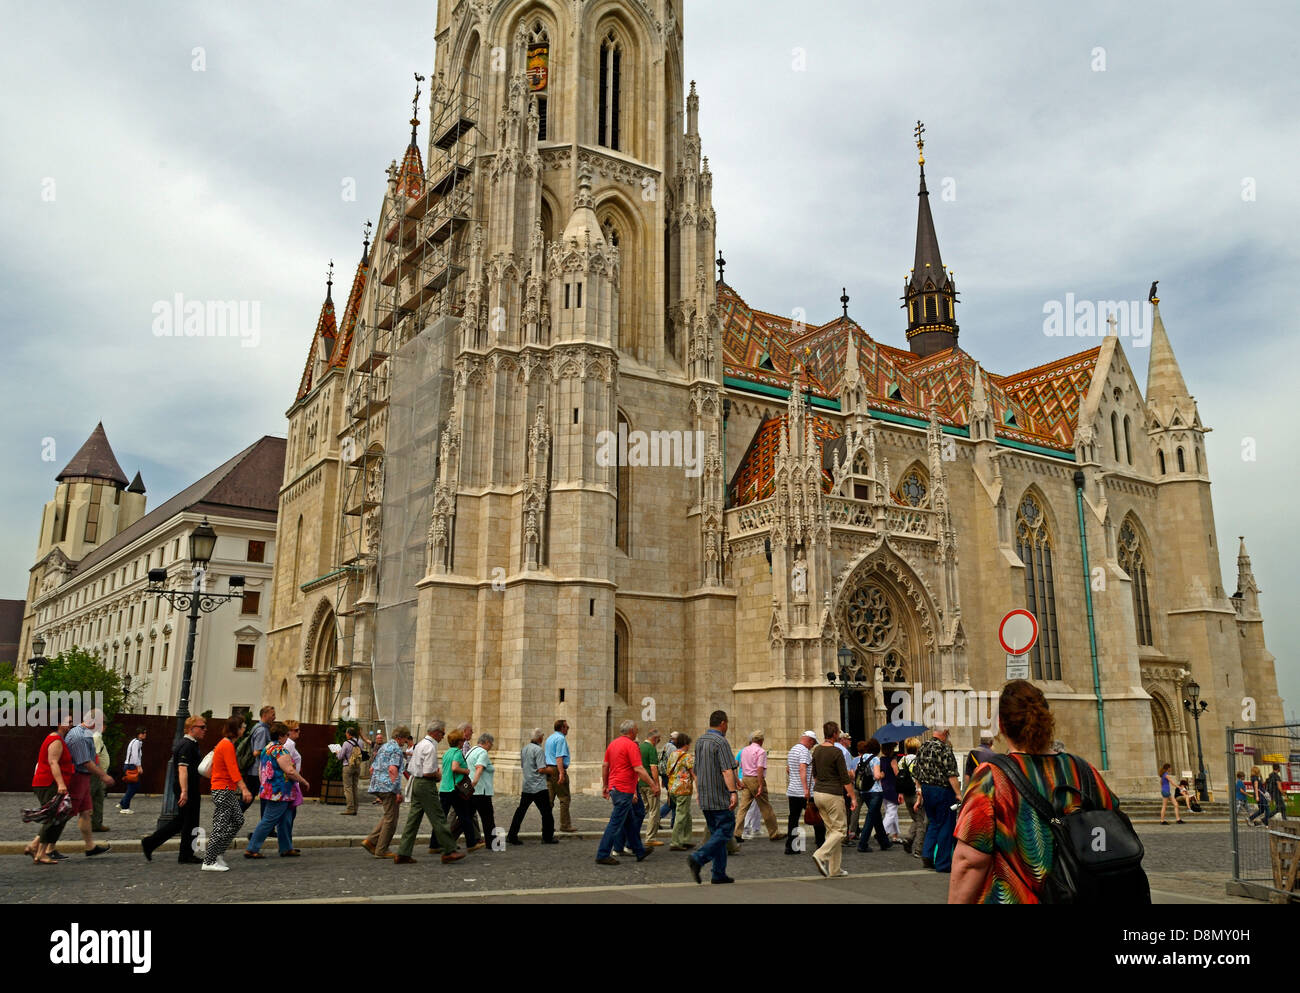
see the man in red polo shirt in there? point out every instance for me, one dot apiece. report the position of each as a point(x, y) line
point(619, 775)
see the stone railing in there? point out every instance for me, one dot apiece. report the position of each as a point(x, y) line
point(841, 512)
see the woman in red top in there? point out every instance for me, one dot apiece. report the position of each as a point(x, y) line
point(228, 790)
point(53, 773)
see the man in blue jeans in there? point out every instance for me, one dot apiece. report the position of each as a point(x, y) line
point(715, 775)
point(936, 772)
point(619, 775)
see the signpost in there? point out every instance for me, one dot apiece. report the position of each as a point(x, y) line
point(1017, 634)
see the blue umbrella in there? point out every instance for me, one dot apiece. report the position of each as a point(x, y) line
point(899, 731)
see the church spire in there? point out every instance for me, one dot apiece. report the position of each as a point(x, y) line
point(1165, 386)
point(1247, 589)
point(410, 176)
point(929, 295)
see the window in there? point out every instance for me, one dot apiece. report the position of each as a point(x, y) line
point(539, 57)
point(150, 666)
point(1034, 546)
point(620, 658)
point(1198, 460)
point(241, 710)
point(622, 493)
point(166, 647)
point(1162, 461)
point(252, 603)
point(611, 65)
point(130, 617)
point(912, 490)
point(1114, 434)
point(137, 660)
point(257, 551)
point(1182, 463)
point(176, 549)
point(244, 656)
point(1133, 561)
point(92, 514)
point(1128, 444)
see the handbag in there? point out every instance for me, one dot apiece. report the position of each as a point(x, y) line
point(464, 787)
point(205, 766)
point(811, 815)
point(131, 774)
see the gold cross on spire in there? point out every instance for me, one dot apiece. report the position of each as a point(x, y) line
point(919, 130)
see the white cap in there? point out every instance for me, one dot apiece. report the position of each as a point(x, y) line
point(809, 734)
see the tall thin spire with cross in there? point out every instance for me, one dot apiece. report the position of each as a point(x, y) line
point(721, 263)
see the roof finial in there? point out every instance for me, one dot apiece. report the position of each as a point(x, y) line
point(721, 263)
point(365, 245)
point(415, 106)
point(919, 130)
point(329, 278)
point(1151, 296)
point(844, 299)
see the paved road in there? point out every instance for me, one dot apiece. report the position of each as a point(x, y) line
point(1184, 863)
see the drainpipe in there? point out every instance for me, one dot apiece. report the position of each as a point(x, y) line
point(1092, 629)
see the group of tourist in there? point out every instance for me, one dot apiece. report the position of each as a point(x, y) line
point(1266, 794)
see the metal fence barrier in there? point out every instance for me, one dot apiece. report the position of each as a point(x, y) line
point(1264, 784)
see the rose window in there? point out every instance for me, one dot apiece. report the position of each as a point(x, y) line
point(871, 618)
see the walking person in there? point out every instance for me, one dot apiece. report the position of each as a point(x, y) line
point(351, 756)
point(557, 785)
point(1273, 786)
point(186, 788)
point(872, 772)
point(277, 775)
point(425, 770)
point(132, 770)
point(456, 770)
point(681, 785)
point(668, 809)
point(385, 786)
point(798, 790)
point(482, 771)
point(1261, 798)
point(650, 798)
point(833, 786)
point(753, 786)
point(715, 776)
point(53, 775)
point(229, 797)
point(911, 794)
point(533, 792)
point(936, 772)
point(97, 787)
point(1167, 793)
point(1005, 851)
point(620, 772)
point(889, 787)
point(257, 740)
point(80, 742)
point(855, 816)
point(977, 755)
point(291, 746)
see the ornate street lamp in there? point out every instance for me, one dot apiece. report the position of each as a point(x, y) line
point(195, 600)
point(848, 680)
point(37, 662)
point(1196, 707)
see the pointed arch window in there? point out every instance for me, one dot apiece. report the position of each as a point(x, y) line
point(611, 70)
point(623, 493)
point(1034, 546)
point(1128, 444)
point(1161, 453)
point(1114, 434)
point(1182, 462)
point(1198, 460)
point(539, 72)
point(1132, 559)
point(621, 673)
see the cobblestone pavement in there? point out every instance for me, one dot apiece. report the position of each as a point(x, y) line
point(1184, 863)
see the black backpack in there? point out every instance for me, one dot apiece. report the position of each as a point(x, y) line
point(1098, 855)
point(906, 784)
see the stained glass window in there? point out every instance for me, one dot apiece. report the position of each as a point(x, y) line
point(1133, 561)
point(1034, 546)
point(912, 490)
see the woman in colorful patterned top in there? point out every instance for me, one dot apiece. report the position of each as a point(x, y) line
point(1004, 850)
point(681, 785)
point(277, 776)
point(291, 746)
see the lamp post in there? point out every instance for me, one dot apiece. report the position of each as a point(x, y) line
point(1196, 707)
point(37, 662)
point(847, 680)
point(194, 601)
point(126, 692)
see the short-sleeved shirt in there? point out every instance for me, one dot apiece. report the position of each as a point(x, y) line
point(448, 781)
point(260, 736)
point(996, 821)
point(649, 755)
point(276, 785)
point(478, 756)
point(532, 758)
point(877, 785)
point(135, 752)
point(623, 756)
point(831, 772)
point(390, 753)
point(799, 755)
point(712, 758)
point(850, 760)
point(81, 743)
point(680, 764)
point(557, 747)
point(753, 760)
point(935, 763)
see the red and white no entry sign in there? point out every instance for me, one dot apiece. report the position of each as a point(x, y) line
point(1018, 632)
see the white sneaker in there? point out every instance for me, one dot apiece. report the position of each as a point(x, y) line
point(822, 867)
point(216, 867)
point(125, 810)
point(221, 861)
point(842, 872)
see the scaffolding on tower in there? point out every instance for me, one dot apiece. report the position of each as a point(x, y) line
point(398, 397)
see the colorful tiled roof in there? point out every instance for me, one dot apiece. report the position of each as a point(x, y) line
point(326, 333)
point(410, 175)
point(350, 311)
point(753, 477)
point(1052, 394)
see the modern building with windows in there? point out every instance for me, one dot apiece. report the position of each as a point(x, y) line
point(97, 545)
point(455, 546)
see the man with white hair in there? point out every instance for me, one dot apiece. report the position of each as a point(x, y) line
point(619, 775)
point(425, 770)
point(936, 772)
point(799, 787)
point(532, 762)
point(753, 786)
point(80, 742)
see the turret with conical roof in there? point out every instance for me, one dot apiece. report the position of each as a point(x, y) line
point(94, 460)
point(929, 295)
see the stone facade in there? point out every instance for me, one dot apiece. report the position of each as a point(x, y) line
point(825, 502)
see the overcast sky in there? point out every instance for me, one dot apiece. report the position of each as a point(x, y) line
point(152, 149)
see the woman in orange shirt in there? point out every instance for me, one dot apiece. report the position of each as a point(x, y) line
point(228, 790)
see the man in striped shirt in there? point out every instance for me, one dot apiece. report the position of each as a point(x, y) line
point(715, 775)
